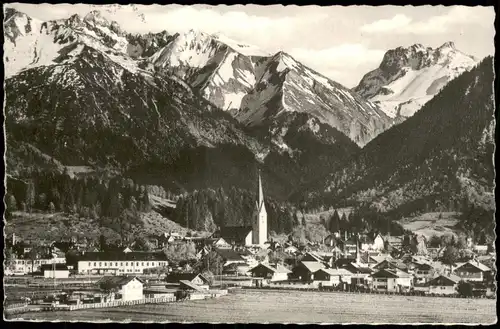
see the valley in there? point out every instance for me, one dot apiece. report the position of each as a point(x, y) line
point(198, 114)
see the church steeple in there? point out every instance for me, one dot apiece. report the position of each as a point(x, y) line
point(261, 193)
point(259, 230)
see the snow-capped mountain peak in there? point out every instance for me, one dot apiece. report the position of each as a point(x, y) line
point(409, 77)
point(95, 17)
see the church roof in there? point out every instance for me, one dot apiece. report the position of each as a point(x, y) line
point(235, 234)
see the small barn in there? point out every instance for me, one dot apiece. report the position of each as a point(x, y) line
point(271, 272)
point(194, 278)
point(331, 277)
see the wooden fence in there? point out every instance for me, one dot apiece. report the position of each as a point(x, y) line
point(373, 292)
point(116, 303)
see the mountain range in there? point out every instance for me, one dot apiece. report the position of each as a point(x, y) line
point(192, 111)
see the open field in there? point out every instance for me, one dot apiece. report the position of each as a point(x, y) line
point(253, 306)
point(430, 224)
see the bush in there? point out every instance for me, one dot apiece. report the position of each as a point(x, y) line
point(465, 289)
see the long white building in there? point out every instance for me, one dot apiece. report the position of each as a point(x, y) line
point(120, 263)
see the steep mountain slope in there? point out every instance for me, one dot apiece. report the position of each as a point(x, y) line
point(248, 82)
point(439, 159)
point(409, 77)
point(286, 85)
point(221, 71)
point(254, 87)
point(108, 112)
point(99, 100)
point(32, 43)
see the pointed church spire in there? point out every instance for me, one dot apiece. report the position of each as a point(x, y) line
point(261, 193)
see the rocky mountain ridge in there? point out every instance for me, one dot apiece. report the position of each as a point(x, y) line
point(235, 77)
point(407, 78)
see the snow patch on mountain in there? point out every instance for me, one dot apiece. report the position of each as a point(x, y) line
point(244, 49)
point(409, 77)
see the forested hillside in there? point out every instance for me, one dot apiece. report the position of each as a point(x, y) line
point(441, 159)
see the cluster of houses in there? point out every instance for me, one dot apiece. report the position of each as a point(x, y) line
point(342, 261)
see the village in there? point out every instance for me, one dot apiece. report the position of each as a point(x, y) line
point(76, 274)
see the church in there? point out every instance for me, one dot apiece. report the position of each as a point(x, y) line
point(255, 235)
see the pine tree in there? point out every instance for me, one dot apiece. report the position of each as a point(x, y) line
point(30, 196)
point(11, 203)
point(334, 224)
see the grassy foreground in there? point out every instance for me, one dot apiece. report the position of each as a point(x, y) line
point(252, 306)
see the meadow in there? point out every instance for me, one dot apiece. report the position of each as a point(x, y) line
point(259, 306)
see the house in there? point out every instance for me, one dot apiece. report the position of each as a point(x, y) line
point(392, 280)
point(158, 293)
point(221, 243)
point(126, 287)
point(291, 250)
point(237, 235)
point(377, 243)
point(369, 259)
point(480, 249)
point(473, 271)
point(348, 246)
point(120, 262)
point(312, 257)
point(229, 256)
point(422, 272)
point(305, 269)
point(193, 278)
point(274, 272)
point(57, 271)
point(391, 264)
point(331, 277)
point(331, 240)
point(444, 285)
point(24, 264)
point(360, 273)
point(394, 241)
point(236, 269)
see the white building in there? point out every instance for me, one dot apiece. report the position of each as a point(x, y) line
point(444, 285)
point(259, 227)
point(55, 271)
point(120, 263)
point(23, 266)
point(128, 287)
point(392, 280)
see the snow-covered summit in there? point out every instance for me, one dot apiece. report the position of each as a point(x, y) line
point(409, 77)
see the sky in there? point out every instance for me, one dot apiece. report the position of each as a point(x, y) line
point(342, 43)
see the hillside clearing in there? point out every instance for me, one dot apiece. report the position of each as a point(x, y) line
point(430, 224)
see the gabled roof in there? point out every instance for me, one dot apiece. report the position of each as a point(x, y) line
point(178, 277)
point(312, 266)
point(476, 264)
point(439, 280)
point(388, 273)
point(229, 254)
point(274, 269)
point(314, 256)
point(352, 267)
point(233, 233)
point(50, 267)
point(334, 271)
point(123, 256)
point(117, 281)
point(191, 285)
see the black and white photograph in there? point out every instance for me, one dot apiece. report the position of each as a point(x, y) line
point(264, 164)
